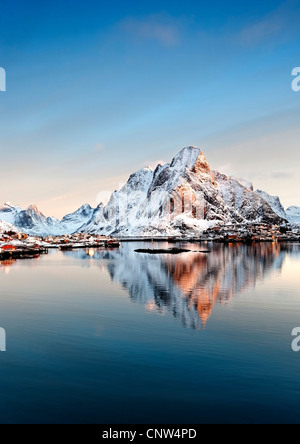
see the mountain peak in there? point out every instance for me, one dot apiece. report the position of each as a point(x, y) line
point(34, 209)
point(193, 159)
point(85, 207)
point(186, 158)
point(7, 206)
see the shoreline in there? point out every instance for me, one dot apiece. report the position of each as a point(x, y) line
point(25, 250)
point(21, 245)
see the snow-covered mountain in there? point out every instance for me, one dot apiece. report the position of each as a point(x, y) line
point(33, 222)
point(293, 215)
point(184, 196)
point(7, 227)
point(73, 221)
point(274, 203)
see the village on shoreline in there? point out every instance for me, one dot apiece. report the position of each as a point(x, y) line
point(21, 245)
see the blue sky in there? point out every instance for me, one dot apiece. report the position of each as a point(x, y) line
point(97, 90)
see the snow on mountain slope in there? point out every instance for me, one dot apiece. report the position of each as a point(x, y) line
point(8, 213)
point(274, 203)
point(243, 202)
point(7, 227)
point(293, 215)
point(73, 221)
point(243, 182)
point(123, 205)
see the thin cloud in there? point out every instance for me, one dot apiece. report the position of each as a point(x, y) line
point(258, 32)
point(60, 197)
point(281, 175)
point(272, 25)
point(153, 163)
point(161, 29)
point(225, 168)
point(99, 147)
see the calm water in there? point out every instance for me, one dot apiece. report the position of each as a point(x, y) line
point(119, 337)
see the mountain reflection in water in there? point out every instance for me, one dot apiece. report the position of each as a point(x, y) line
point(189, 284)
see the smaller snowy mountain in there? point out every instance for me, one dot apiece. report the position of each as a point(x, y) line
point(96, 219)
point(73, 221)
point(274, 203)
point(30, 221)
point(33, 222)
point(293, 215)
